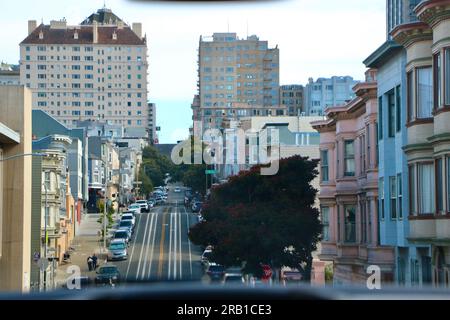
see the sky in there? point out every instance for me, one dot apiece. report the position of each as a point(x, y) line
point(316, 38)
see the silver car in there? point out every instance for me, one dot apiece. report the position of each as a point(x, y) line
point(117, 250)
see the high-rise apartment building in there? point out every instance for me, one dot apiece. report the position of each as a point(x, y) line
point(291, 97)
point(328, 92)
point(93, 71)
point(152, 123)
point(237, 78)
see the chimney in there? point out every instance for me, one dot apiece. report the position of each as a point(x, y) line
point(32, 24)
point(120, 25)
point(137, 28)
point(95, 32)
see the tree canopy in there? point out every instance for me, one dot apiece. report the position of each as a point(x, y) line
point(255, 219)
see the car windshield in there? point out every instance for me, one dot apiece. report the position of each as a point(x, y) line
point(107, 270)
point(117, 246)
point(292, 143)
point(120, 234)
point(126, 223)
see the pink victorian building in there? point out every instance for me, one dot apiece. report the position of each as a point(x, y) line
point(349, 188)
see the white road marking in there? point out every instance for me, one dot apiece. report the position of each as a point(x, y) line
point(142, 249)
point(189, 241)
point(153, 247)
point(170, 246)
point(148, 246)
point(134, 244)
point(180, 247)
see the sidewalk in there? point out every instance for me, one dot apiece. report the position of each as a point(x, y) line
point(85, 244)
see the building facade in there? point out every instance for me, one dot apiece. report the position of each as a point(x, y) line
point(427, 146)
point(237, 78)
point(53, 223)
point(93, 71)
point(349, 189)
point(412, 260)
point(327, 92)
point(153, 137)
point(292, 99)
point(15, 188)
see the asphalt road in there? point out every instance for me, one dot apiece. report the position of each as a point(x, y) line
point(160, 249)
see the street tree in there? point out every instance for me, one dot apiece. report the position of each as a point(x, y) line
point(254, 219)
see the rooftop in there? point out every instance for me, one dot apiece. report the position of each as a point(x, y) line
point(102, 16)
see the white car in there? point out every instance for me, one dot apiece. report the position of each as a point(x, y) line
point(177, 190)
point(128, 216)
point(144, 205)
point(135, 207)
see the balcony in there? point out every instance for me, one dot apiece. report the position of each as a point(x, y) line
point(429, 228)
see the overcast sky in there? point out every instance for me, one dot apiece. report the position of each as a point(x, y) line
point(317, 38)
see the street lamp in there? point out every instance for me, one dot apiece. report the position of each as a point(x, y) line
point(24, 155)
point(104, 204)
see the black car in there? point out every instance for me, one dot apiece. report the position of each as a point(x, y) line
point(107, 274)
point(196, 206)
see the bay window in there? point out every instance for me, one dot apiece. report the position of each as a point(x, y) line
point(439, 186)
point(324, 165)
point(326, 223)
point(447, 76)
point(349, 223)
point(391, 114)
point(437, 66)
point(422, 188)
point(349, 158)
point(424, 97)
point(410, 96)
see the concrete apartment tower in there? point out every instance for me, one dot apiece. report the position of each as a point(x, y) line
point(237, 78)
point(93, 71)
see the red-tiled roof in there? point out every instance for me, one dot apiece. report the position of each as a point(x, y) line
point(125, 36)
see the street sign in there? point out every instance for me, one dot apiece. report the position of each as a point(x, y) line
point(210, 171)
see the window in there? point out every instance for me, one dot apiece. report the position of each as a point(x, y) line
point(424, 93)
point(380, 118)
point(349, 223)
point(349, 158)
point(410, 95)
point(448, 183)
point(324, 165)
point(393, 194)
point(47, 180)
point(362, 210)
point(447, 76)
point(399, 196)
point(439, 186)
point(325, 223)
point(437, 65)
point(398, 107)
point(391, 113)
point(381, 193)
point(422, 188)
point(362, 153)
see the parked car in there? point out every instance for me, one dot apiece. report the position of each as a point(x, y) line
point(215, 272)
point(144, 205)
point(117, 250)
point(196, 206)
point(123, 234)
point(151, 203)
point(233, 279)
point(107, 274)
point(177, 190)
point(135, 207)
point(126, 224)
point(128, 216)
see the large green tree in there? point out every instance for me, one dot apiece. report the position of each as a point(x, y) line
point(255, 219)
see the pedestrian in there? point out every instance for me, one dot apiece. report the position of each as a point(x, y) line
point(94, 261)
point(90, 263)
